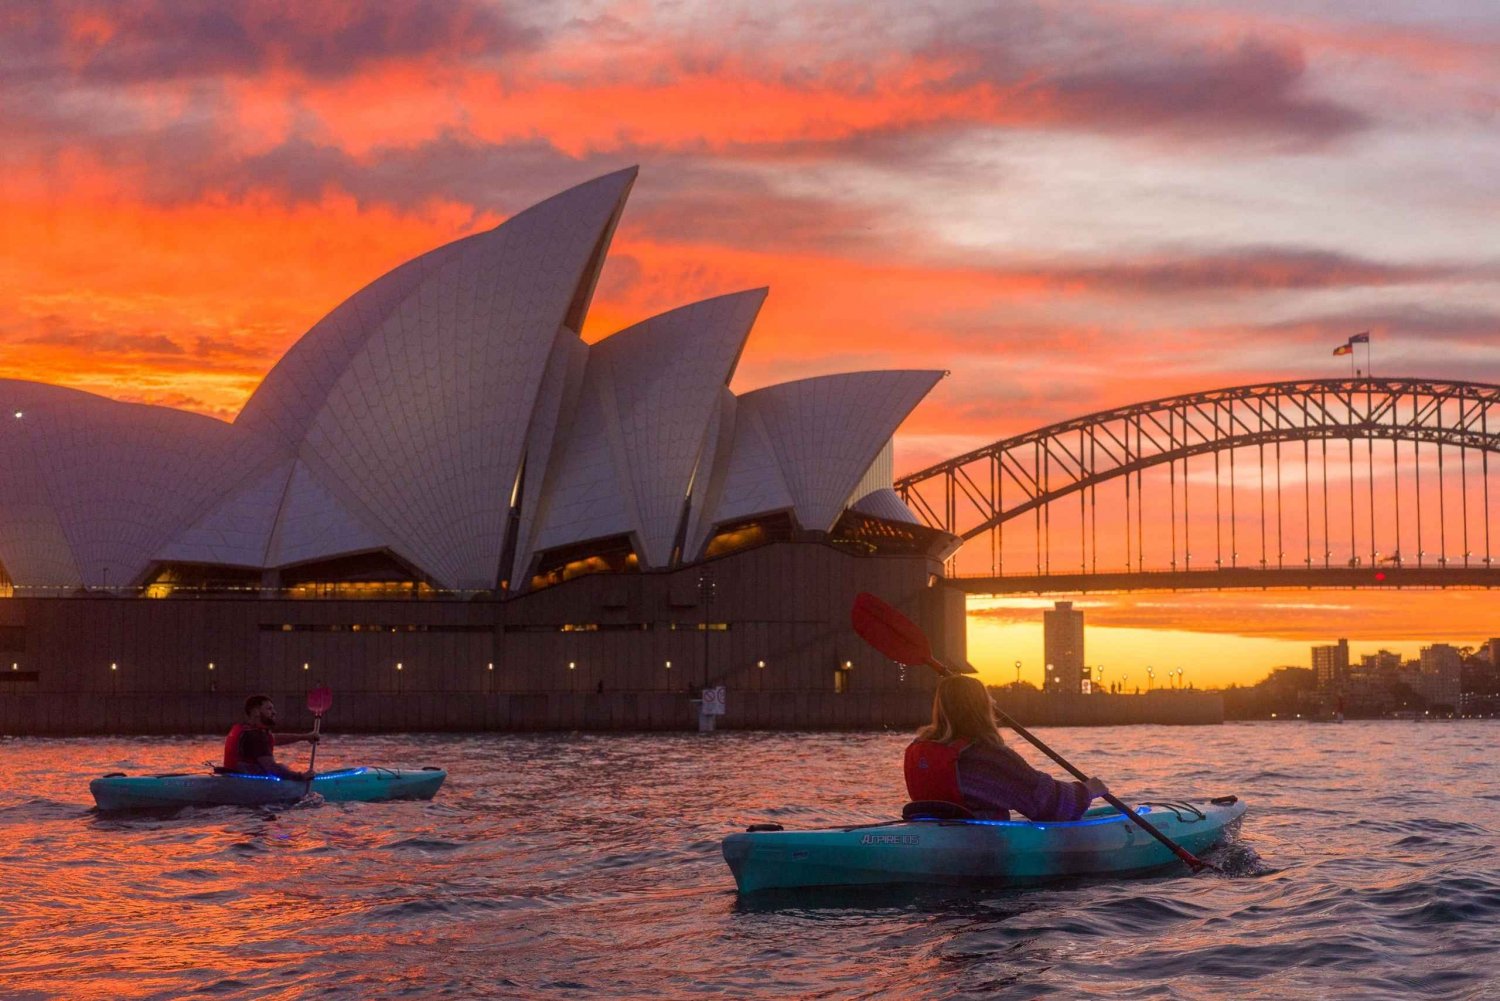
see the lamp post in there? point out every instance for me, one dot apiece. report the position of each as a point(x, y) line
point(1150, 677)
point(1018, 674)
point(706, 591)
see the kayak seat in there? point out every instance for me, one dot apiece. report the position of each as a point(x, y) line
point(935, 809)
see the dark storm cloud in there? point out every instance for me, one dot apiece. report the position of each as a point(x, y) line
point(150, 40)
point(745, 211)
point(1251, 89)
point(1248, 270)
point(491, 177)
point(55, 332)
point(1409, 324)
point(688, 199)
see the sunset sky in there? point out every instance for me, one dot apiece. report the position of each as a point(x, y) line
point(1069, 205)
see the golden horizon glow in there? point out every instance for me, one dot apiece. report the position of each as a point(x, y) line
point(1222, 638)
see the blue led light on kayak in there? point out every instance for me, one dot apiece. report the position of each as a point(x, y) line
point(1112, 818)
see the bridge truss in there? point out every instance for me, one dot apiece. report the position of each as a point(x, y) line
point(1386, 477)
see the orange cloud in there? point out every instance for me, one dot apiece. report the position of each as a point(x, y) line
point(192, 302)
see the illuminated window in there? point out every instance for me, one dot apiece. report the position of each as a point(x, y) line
point(612, 555)
point(363, 575)
point(189, 579)
point(735, 536)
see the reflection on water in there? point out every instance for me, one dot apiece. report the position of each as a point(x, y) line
point(588, 866)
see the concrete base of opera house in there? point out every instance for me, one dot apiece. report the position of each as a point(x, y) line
point(600, 652)
point(77, 715)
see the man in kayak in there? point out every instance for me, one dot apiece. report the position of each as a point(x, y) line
point(250, 746)
point(961, 758)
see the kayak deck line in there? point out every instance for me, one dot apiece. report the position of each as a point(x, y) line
point(1107, 815)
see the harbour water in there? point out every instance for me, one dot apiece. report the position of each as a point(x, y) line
point(588, 866)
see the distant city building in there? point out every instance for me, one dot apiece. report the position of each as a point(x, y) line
point(1491, 650)
point(1383, 664)
point(1440, 681)
point(1062, 629)
point(1331, 665)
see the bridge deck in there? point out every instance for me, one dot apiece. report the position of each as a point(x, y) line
point(1234, 578)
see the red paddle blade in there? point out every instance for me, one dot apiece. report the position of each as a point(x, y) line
point(888, 631)
point(319, 699)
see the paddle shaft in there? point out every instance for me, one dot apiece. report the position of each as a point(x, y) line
point(1193, 862)
point(317, 725)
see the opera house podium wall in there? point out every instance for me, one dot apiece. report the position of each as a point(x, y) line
point(590, 653)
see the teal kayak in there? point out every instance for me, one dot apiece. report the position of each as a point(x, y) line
point(362, 785)
point(967, 851)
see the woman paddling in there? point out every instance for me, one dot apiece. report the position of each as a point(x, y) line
point(960, 758)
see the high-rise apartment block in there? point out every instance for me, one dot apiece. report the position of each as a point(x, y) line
point(1440, 682)
point(1062, 630)
point(1331, 665)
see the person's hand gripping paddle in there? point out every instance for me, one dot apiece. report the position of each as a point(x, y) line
point(903, 641)
point(318, 701)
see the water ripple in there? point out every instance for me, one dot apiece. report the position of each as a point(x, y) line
point(587, 866)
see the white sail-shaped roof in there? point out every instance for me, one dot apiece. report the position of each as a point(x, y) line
point(314, 521)
point(236, 531)
point(551, 428)
point(450, 415)
point(428, 421)
point(91, 488)
point(296, 389)
point(806, 445)
point(412, 401)
point(650, 394)
point(708, 484)
point(887, 505)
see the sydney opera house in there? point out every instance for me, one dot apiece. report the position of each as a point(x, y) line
point(445, 505)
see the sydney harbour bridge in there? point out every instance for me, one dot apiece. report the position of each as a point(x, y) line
point(1343, 483)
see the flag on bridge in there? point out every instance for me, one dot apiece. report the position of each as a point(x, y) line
point(1344, 349)
point(1360, 338)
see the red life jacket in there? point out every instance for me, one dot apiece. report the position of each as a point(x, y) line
point(932, 771)
point(232, 760)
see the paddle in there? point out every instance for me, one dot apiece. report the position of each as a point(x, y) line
point(903, 641)
point(318, 701)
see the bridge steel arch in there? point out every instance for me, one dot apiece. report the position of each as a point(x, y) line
point(975, 492)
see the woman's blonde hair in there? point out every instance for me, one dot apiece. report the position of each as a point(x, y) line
point(961, 709)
